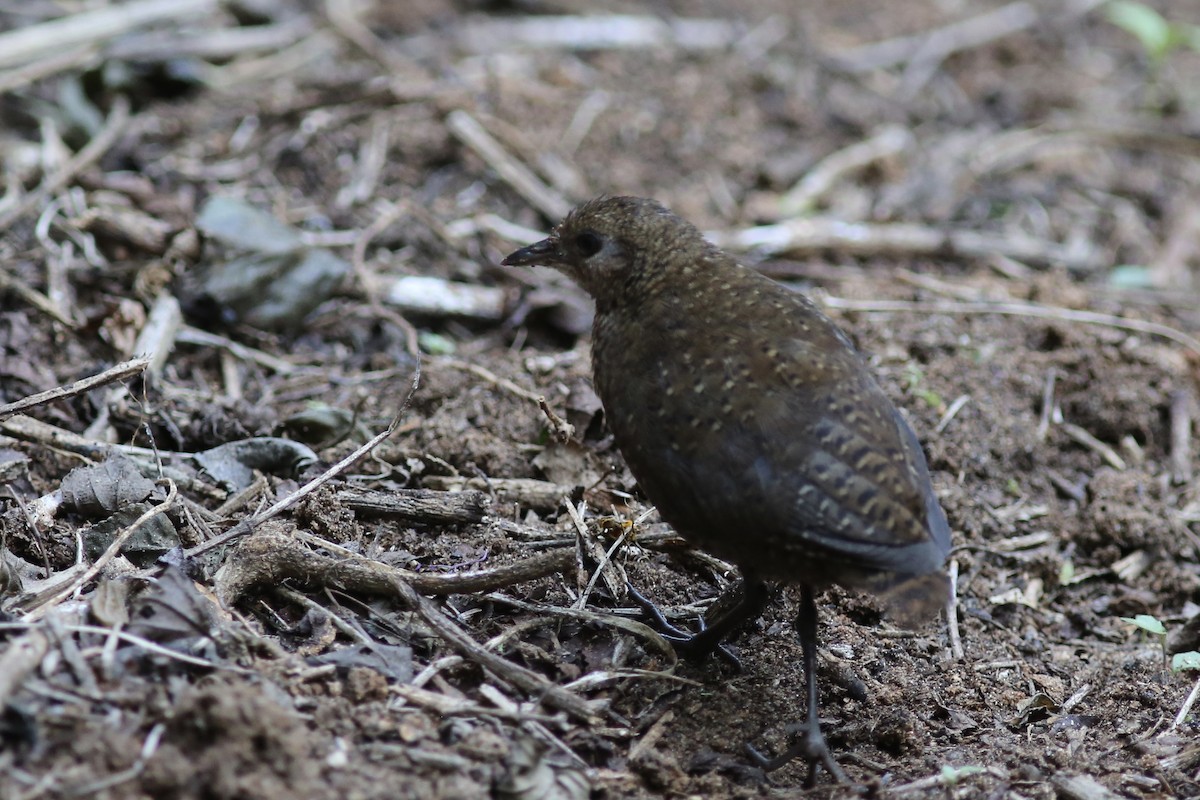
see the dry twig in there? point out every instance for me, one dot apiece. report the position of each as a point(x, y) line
point(120, 372)
point(108, 555)
point(471, 133)
point(817, 234)
point(1181, 436)
point(247, 525)
point(105, 138)
point(270, 557)
point(1019, 310)
point(22, 45)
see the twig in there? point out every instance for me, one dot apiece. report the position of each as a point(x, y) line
point(31, 296)
point(892, 139)
point(153, 647)
point(586, 114)
point(601, 566)
point(1186, 708)
point(1181, 436)
point(952, 412)
point(447, 706)
point(157, 338)
point(114, 126)
point(956, 648)
point(351, 632)
point(345, 18)
point(219, 44)
point(24, 44)
point(34, 430)
point(525, 679)
point(429, 295)
point(358, 259)
point(1018, 310)
point(108, 555)
point(597, 32)
point(528, 492)
point(75, 58)
point(202, 338)
point(1047, 415)
point(422, 506)
point(247, 525)
point(1081, 436)
point(270, 557)
point(939, 43)
point(632, 626)
point(1005, 152)
point(491, 223)
point(490, 377)
point(815, 234)
point(563, 430)
point(120, 372)
point(471, 133)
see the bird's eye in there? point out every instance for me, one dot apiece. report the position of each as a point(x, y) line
point(589, 243)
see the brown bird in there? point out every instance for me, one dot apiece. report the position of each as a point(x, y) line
point(751, 422)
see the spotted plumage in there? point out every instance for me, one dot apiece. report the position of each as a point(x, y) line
point(747, 416)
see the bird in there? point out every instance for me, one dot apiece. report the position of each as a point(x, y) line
point(752, 423)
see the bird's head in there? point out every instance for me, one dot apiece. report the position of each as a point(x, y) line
point(614, 245)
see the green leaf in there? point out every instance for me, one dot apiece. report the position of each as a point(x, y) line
point(1147, 25)
point(1131, 276)
point(1066, 573)
point(951, 775)
point(1146, 623)
point(435, 344)
point(1182, 661)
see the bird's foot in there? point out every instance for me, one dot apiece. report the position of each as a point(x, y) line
point(810, 746)
point(694, 646)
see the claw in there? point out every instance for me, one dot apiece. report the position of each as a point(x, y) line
point(709, 639)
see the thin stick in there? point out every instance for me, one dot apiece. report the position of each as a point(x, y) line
point(471, 133)
point(34, 71)
point(1181, 436)
point(525, 679)
point(956, 648)
point(1018, 310)
point(114, 126)
point(490, 377)
point(20, 45)
point(1089, 441)
point(201, 338)
point(358, 259)
point(33, 297)
point(1047, 415)
point(120, 372)
point(816, 234)
point(247, 526)
point(889, 141)
point(939, 43)
point(108, 555)
point(1186, 708)
point(952, 412)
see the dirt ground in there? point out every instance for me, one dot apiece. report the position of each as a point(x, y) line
point(1024, 284)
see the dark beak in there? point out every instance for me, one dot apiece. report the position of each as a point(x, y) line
point(544, 253)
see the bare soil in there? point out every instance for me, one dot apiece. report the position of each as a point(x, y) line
point(1059, 443)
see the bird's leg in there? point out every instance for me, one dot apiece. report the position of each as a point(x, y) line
point(753, 596)
point(811, 744)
